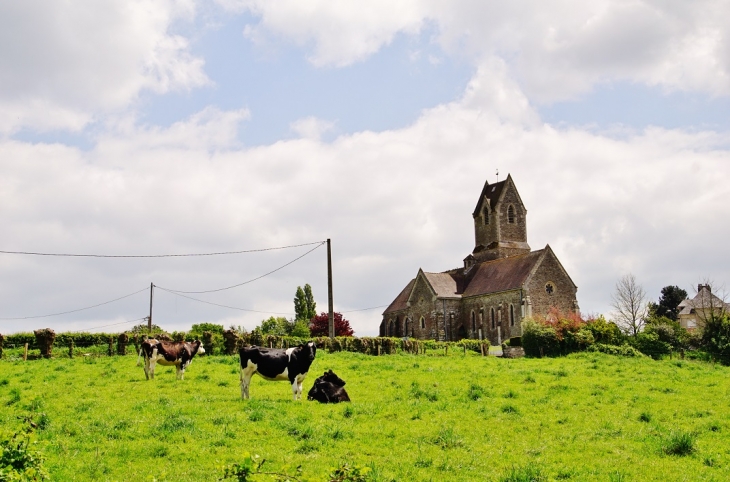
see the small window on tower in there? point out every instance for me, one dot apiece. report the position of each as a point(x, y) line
point(423, 323)
point(486, 215)
point(511, 215)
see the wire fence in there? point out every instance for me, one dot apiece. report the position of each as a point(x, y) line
point(13, 347)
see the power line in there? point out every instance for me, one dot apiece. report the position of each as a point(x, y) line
point(113, 324)
point(245, 282)
point(176, 293)
point(365, 309)
point(75, 311)
point(221, 253)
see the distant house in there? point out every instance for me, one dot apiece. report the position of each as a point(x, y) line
point(693, 312)
point(502, 281)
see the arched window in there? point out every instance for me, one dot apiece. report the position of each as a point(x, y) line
point(408, 327)
point(511, 315)
point(511, 214)
point(485, 214)
point(473, 322)
point(493, 319)
point(423, 323)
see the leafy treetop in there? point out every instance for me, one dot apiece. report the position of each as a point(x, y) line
point(320, 325)
point(304, 306)
point(668, 305)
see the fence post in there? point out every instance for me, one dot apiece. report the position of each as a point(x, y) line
point(446, 350)
point(71, 348)
point(465, 350)
point(110, 351)
point(25, 352)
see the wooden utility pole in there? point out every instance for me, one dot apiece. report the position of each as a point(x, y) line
point(149, 320)
point(330, 302)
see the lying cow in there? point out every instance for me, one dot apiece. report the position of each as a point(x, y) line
point(167, 353)
point(274, 364)
point(328, 389)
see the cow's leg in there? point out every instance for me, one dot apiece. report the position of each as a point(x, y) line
point(299, 388)
point(153, 363)
point(295, 388)
point(246, 374)
point(179, 371)
point(147, 367)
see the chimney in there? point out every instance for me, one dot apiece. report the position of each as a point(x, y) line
point(699, 288)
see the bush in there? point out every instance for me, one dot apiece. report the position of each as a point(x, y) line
point(539, 340)
point(716, 338)
point(649, 343)
point(605, 332)
point(623, 350)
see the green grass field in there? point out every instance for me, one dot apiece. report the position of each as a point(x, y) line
point(583, 417)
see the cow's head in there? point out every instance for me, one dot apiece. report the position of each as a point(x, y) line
point(309, 350)
point(200, 349)
point(331, 377)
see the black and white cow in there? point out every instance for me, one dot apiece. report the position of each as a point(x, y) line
point(328, 389)
point(274, 364)
point(168, 353)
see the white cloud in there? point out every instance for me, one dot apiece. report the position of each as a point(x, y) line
point(62, 64)
point(342, 32)
point(650, 202)
point(311, 127)
point(558, 49)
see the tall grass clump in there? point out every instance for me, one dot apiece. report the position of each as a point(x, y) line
point(679, 443)
point(526, 473)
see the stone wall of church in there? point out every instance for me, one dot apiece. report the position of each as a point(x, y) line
point(518, 230)
point(563, 293)
point(504, 327)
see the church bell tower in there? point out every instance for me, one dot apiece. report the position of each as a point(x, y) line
point(500, 223)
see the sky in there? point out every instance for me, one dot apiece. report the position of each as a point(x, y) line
point(135, 127)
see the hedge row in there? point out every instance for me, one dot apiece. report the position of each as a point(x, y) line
point(230, 341)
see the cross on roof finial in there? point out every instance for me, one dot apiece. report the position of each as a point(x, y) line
point(497, 175)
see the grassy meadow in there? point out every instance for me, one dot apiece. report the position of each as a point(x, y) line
point(461, 417)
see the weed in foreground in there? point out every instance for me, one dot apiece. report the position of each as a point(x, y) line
point(645, 417)
point(475, 392)
point(448, 439)
point(510, 409)
point(526, 473)
point(679, 443)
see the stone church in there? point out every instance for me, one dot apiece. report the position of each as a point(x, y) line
point(502, 281)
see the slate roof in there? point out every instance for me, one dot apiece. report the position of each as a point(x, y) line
point(400, 302)
point(443, 284)
point(491, 192)
point(704, 299)
point(488, 277)
point(502, 274)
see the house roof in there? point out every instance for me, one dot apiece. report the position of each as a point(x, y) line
point(491, 192)
point(401, 301)
point(502, 274)
point(704, 299)
point(444, 284)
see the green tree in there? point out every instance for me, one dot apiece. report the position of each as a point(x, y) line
point(300, 329)
point(279, 326)
point(669, 302)
point(304, 306)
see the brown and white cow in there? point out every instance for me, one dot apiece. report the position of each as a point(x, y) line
point(168, 353)
point(273, 364)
